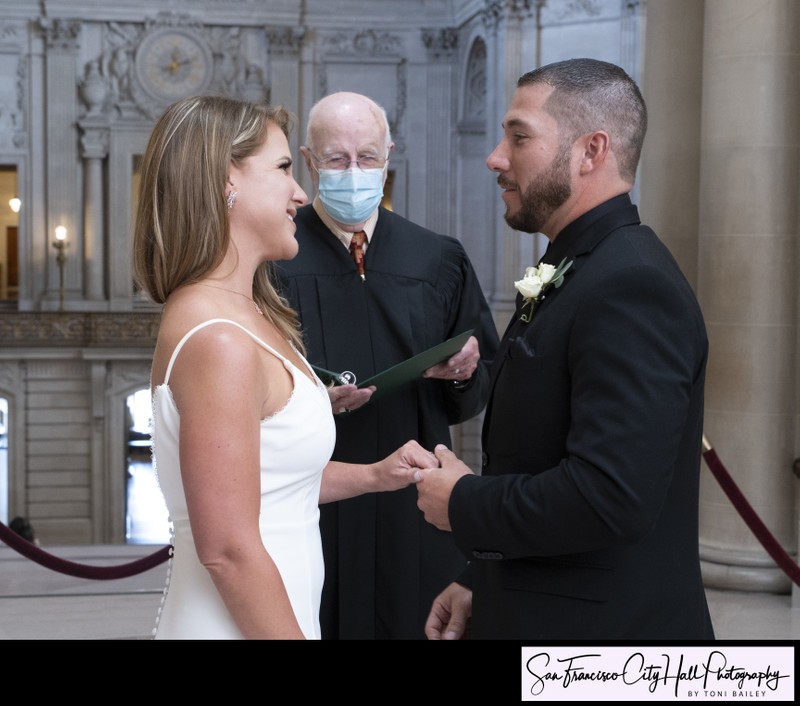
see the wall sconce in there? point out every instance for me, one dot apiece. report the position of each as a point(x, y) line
point(60, 244)
point(15, 204)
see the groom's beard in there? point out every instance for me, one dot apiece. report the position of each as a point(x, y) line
point(544, 195)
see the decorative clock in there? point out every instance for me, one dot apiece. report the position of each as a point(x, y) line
point(172, 63)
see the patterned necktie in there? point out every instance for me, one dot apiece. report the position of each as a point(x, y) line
point(357, 248)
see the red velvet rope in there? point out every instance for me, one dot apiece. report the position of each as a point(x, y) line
point(759, 529)
point(748, 514)
point(83, 571)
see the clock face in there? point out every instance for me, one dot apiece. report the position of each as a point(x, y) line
point(173, 63)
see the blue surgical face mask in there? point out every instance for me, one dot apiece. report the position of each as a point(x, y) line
point(350, 195)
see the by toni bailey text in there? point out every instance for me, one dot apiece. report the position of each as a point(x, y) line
point(686, 673)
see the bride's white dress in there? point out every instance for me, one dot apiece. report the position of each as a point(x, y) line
point(296, 443)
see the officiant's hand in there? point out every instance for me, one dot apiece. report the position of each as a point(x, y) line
point(434, 487)
point(346, 398)
point(459, 367)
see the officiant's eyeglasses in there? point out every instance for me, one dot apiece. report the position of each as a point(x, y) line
point(340, 162)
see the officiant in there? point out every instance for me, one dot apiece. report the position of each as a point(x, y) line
point(373, 289)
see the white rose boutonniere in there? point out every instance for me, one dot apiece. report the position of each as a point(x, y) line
point(536, 281)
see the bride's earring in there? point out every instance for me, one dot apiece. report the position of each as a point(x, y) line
point(232, 199)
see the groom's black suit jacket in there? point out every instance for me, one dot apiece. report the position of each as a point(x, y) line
point(584, 522)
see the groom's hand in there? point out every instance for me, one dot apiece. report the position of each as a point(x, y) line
point(434, 487)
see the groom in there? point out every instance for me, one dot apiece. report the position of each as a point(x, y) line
point(583, 524)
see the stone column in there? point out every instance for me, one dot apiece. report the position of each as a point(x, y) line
point(285, 46)
point(94, 144)
point(747, 279)
point(440, 46)
point(672, 84)
point(513, 45)
point(62, 183)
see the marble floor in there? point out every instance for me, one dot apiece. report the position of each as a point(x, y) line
point(38, 603)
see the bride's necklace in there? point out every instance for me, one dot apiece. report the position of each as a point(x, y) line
point(233, 291)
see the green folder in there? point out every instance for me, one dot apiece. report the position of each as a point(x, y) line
point(402, 373)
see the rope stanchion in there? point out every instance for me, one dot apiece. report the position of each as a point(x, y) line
point(83, 571)
point(768, 541)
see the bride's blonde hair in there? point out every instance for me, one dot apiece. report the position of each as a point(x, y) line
point(181, 230)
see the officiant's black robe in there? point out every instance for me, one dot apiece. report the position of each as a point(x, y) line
point(383, 563)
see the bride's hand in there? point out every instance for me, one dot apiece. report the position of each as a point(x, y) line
point(397, 470)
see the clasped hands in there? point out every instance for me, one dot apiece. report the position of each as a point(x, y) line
point(435, 474)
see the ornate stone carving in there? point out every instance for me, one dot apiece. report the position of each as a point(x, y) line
point(9, 375)
point(19, 139)
point(118, 64)
point(9, 120)
point(475, 84)
point(13, 106)
point(226, 45)
point(578, 9)
point(285, 41)
point(506, 10)
point(9, 31)
point(93, 89)
point(359, 43)
point(120, 69)
point(253, 88)
point(94, 141)
point(85, 330)
point(441, 43)
point(61, 34)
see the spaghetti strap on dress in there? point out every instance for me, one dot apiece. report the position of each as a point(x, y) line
point(296, 444)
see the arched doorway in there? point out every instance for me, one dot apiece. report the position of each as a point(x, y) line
point(146, 517)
